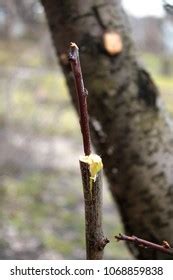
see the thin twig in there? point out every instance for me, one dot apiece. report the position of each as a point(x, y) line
point(164, 248)
point(82, 97)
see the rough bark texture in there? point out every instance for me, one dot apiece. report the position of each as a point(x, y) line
point(95, 241)
point(129, 129)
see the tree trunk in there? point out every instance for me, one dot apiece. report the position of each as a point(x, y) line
point(129, 129)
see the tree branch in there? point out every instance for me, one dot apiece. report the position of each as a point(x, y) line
point(95, 241)
point(164, 248)
point(90, 166)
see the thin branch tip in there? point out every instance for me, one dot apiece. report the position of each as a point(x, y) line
point(164, 247)
point(73, 45)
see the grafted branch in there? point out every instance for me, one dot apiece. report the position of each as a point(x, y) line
point(90, 166)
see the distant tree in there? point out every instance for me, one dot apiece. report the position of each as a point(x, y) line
point(129, 128)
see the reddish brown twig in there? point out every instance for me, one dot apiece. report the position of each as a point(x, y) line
point(82, 97)
point(164, 248)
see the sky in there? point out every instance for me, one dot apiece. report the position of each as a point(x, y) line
point(142, 8)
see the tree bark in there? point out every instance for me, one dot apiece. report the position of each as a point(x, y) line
point(95, 240)
point(129, 128)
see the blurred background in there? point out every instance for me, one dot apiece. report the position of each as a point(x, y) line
point(41, 201)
